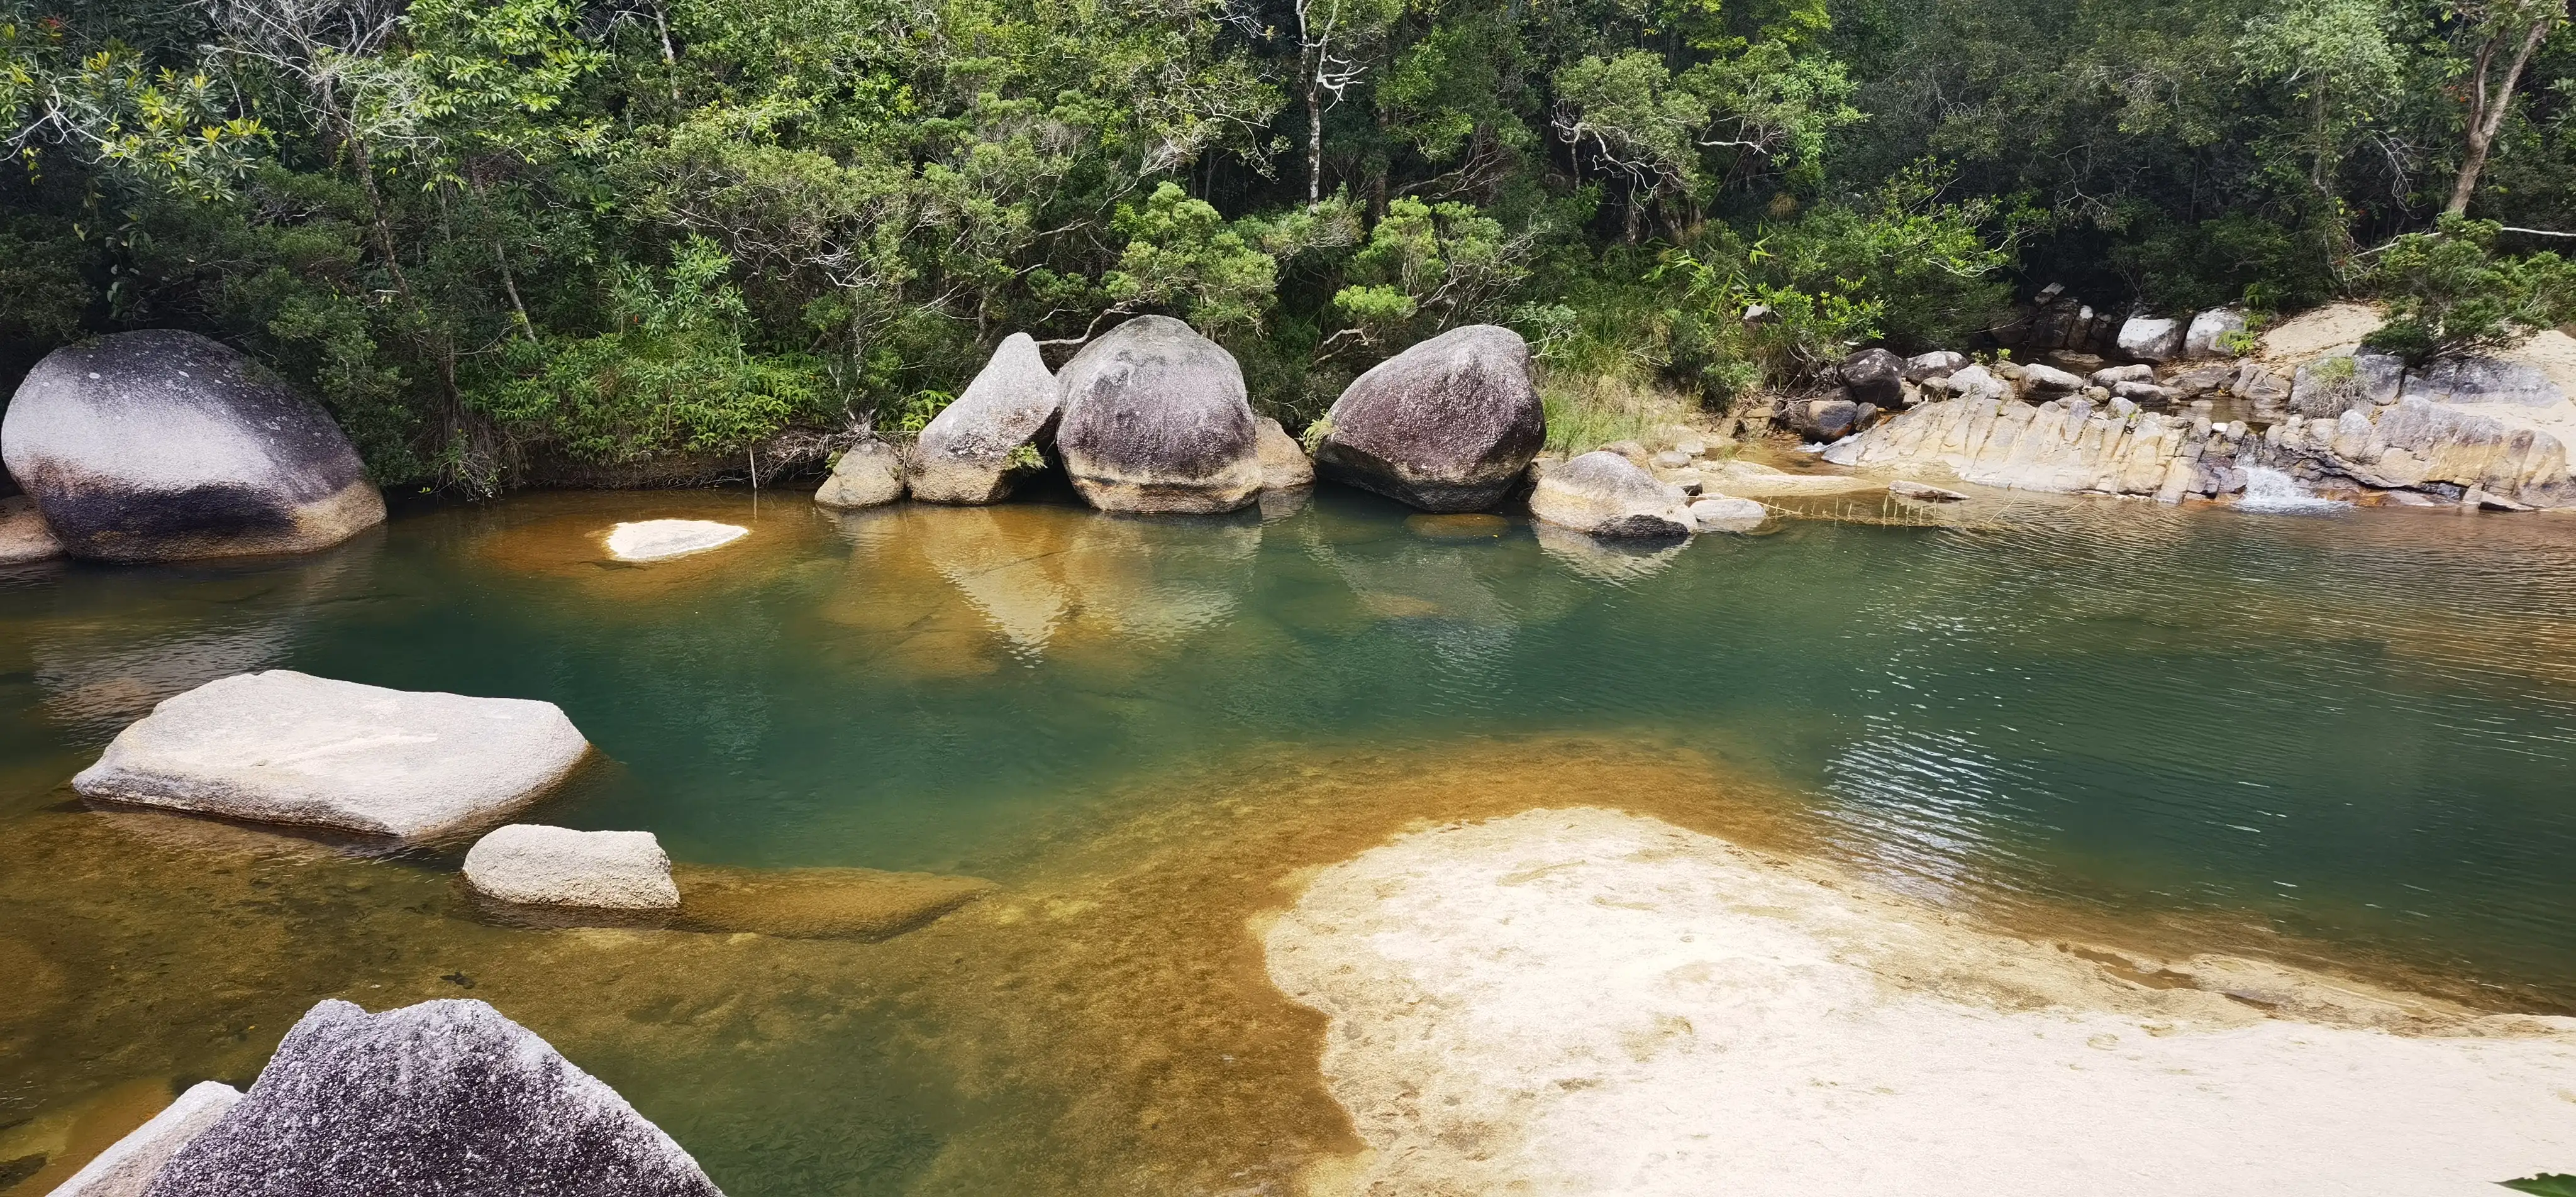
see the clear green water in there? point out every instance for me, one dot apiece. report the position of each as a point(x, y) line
point(2350, 732)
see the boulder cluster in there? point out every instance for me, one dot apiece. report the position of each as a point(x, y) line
point(2146, 419)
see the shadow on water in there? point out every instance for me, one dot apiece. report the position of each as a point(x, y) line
point(1116, 743)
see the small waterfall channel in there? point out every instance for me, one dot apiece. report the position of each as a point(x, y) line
point(2268, 489)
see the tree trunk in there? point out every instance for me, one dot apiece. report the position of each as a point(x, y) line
point(1315, 133)
point(2486, 114)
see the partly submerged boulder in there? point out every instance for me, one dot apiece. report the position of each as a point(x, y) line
point(536, 865)
point(979, 447)
point(1724, 513)
point(286, 747)
point(1156, 420)
point(127, 1167)
point(442, 1099)
point(163, 445)
point(869, 474)
point(1447, 425)
point(1604, 494)
point(1284, 465)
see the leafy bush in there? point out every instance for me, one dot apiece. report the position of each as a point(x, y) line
point(2449, 294)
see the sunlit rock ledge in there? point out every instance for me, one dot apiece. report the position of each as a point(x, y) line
point(1586, 1001)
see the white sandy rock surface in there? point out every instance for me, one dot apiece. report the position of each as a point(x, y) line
point(661, 540)
point(286, 747)
point(127, 1167)
point(1585, 1001)
point(537, 865)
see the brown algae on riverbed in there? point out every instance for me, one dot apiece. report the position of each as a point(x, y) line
point(1106, 1022)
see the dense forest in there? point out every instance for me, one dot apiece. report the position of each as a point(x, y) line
point(503, 239)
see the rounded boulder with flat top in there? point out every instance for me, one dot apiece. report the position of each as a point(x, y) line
point(1156, 421)
point(1447, 425)
point(162, 445)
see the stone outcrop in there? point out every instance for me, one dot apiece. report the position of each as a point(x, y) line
point(1603, 494)
point(127, 1168)
point(869, 474)
point(1874, 376)
point(1284, 464)
point(163, 445)
point(535, 865)
point(1447, 425)
point(285, 747)
point(2483, 380)
point(442, 1098)
point(2414, 443)
point(2331, 385)
point(1155, 420)
point(2148, 339)
point(979, 447)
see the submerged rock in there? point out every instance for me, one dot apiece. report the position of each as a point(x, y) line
point(1447, 425)
point(1920, 492)
point(286, 747)
point(1607, 559)
point(979, 447)
point(536, 865)
point(1156, 420)
point(1283, 464)
point(163, 445)
point(661, 540)
point(127, 1168)
point(1604, 494)
point(869, 474)
point(819, 903)
point(438, 1099)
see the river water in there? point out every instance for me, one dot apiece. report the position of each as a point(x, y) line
point(2339, 738)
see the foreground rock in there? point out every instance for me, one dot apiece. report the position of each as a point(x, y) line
point(446, 1097)
point(661, 540)
point(284, 747)
point(981, 446)
point(1447, 425)
point(1604, 494)
point(1284, 466)
point(1586, 1001)
point(869, 474)
point(1156, 420)
point(535, 865)
point(127, 1168)
point(163, 445)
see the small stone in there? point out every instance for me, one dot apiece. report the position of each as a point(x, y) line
point(1672, 459)
point(536, 865)
point(1692, 448)
point(2115, 375)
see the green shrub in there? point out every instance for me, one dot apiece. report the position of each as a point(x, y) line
point(2449, 294)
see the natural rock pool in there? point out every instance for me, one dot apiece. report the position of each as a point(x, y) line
point(2343, 740)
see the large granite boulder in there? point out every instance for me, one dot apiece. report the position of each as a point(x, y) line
point(286, 747)
point(535, 865)
point(442, 1099)
point(1604, 494)
point(2146, 339)
point(1156, 420)
point(129, 1165)
point(982, 445)
point(1284, 464)
point(2208, 328)
point(868, 474)
point(163, 445)
point(1874, 376)
point(1447, 425)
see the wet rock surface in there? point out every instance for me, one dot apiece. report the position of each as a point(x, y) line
point(1447, 425)
point(442, 1098)
point(286, 747)
point(1156, 421)
point(163, 445)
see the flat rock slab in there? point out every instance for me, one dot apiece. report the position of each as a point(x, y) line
point(536, 865)
point(443, 1099)
point(286, 747)
point(126, 1169)
point(661, 540)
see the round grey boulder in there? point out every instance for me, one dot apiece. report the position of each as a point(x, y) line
point(1604, 494)
point(1447, 425)
point(2148, 339)
point(1874, 376)
point(442, 1099)
point(869, 474)
point(1156, 420)
point(162, 445)
point(979, 447)
point(535, 865)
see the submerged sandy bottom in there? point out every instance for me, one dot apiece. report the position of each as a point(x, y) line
point(1590, 1001)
